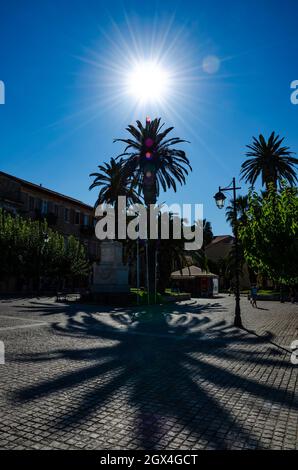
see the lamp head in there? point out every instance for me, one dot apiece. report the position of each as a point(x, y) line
point(220, 199)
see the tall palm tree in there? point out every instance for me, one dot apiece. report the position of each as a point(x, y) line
point(113, 181)
point(151, 157)
point(271, 160)
point(168, 165)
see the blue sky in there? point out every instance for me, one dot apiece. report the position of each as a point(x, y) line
point(57, 60)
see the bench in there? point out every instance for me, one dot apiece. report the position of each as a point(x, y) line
point(61, 296)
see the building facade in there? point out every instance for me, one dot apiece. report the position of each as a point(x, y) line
point(64, 214)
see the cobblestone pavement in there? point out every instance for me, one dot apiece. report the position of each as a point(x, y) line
point(83, 377)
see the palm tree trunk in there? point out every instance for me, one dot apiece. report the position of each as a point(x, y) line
point(116, 220)
point(151, 260)
point(150, 197)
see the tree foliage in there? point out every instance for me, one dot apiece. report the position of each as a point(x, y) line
point(29, 250)
point(270, 234)
point(114, 181)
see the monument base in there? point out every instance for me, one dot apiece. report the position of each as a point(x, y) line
point(110, 289)
point(110, 276)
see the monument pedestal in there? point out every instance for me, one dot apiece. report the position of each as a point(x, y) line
point(110, 276)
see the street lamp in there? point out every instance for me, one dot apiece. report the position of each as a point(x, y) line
point(220, 202)
point(220, 199)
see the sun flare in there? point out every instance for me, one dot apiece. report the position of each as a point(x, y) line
point(148, 82)
point(138, 69)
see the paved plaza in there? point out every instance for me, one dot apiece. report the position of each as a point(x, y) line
point(88, 377)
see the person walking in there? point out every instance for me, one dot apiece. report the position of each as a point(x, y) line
point(253, 295)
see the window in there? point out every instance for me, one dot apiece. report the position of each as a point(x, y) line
point(77, 218)
point(86, 219)
point(66, 215)
point(44, 207)
point(56, 210)
point(31, 203)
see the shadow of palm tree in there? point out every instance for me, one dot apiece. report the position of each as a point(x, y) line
point(71, 308)
point(170, 370)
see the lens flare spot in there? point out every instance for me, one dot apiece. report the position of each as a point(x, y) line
point(211, 64)
point(148, 142)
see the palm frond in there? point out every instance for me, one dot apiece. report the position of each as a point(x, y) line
point(270, 161)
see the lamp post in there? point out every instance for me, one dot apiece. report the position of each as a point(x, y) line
point(220, 202)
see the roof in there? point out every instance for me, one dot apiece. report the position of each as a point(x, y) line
point(192, 272)
point(221, 238)
point(46, 190)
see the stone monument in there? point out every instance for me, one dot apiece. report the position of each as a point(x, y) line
point(110, 275)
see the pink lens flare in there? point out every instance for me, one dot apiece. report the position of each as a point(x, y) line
point(149, 142)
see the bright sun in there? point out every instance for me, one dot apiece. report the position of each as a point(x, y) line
point(148, 82)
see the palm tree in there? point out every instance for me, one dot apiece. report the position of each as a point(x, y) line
point(155, 163)
point(114, 181)
point(207, 233)
point(270, 160)
point(241, 208)
point(167, 164)
point(199, 257)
